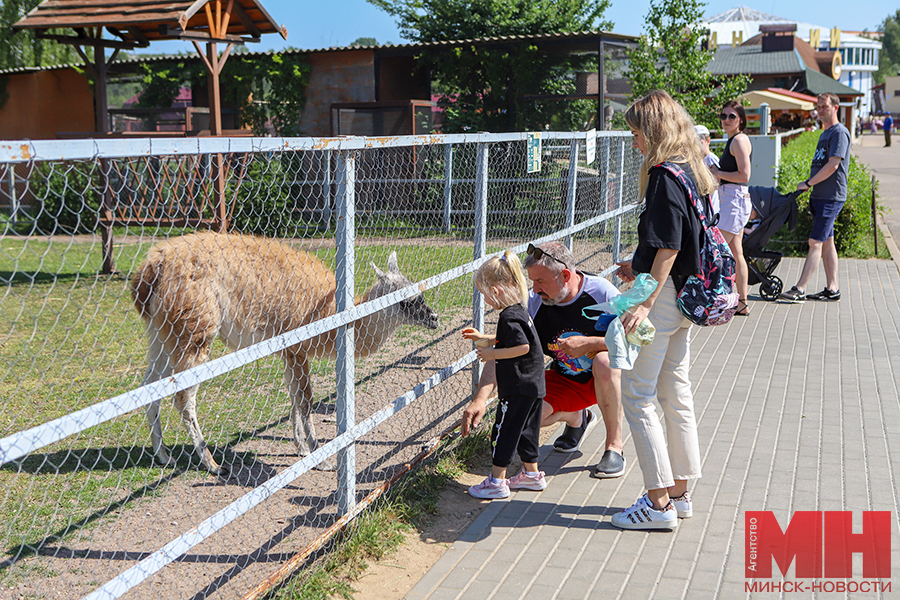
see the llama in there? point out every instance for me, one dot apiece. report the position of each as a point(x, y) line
point(244, 290)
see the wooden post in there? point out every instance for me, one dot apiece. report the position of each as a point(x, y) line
point(101, 125)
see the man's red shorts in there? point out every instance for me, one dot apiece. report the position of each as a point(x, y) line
point(566, 395)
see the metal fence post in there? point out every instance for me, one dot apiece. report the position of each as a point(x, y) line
point(617, 231)
point(326, 211)
point(480, 245)
point(573, 183)
point(448, 185)
point(346, 371)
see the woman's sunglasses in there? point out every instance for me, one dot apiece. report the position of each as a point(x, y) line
point(537, 253)
point(727, 117)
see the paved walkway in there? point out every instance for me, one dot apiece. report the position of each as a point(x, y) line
point(798, 409)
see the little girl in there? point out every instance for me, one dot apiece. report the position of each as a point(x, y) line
point(520, 378)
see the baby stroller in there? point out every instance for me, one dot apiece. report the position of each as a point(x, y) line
point(773, 210)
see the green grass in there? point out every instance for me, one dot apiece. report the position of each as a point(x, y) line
point(70, 338)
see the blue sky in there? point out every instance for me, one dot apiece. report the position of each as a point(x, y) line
point(325, 23)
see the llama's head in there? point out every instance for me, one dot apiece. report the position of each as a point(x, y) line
point(412, 311)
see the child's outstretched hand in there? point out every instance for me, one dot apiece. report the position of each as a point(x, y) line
point(470, 333)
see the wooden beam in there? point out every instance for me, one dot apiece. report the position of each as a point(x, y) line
point(87, 62)
point(192, 10)
point(202, 36)
point(223, 27)
point(86, 41)
point(224, 56)
point(209, 19)
point(246, 21)
point(209, 67)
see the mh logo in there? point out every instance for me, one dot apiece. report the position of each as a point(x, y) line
point(822, 542)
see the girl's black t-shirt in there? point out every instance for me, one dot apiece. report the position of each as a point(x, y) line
point(669, 221)
point(523, 375)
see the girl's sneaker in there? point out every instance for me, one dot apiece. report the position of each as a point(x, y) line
point(684, 506)
point(642, 515)
point(524, 481)
point(488, 490)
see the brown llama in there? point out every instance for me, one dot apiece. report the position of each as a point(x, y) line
point(244, 290)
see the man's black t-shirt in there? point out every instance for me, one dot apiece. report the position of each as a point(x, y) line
point(554, 323)
point(668, 221)
point(523, 375)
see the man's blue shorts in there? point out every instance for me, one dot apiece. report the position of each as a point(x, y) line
point(824, 212)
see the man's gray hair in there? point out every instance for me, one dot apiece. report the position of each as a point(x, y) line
point(556, 250)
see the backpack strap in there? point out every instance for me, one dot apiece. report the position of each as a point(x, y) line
point(693, 194)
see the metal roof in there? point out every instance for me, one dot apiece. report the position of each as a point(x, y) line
point(139, 22)
point(817, 83)
point(751, 60)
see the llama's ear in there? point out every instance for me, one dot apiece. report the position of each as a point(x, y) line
point(392, 263)
point(378, 272)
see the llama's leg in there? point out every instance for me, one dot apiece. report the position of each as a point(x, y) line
point(186, 404)
point(158, 366)
point(296, 376)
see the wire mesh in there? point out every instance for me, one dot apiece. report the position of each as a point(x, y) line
point(99, 500)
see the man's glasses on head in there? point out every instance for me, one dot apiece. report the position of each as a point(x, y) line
point(537, 254)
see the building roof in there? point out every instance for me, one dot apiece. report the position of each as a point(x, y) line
point(747, 21)
point(792, 94)
point(751, 60)
point(817, 83)
point(778, 101)
point(139, 22)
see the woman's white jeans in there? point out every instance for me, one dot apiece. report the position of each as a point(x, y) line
point(661, 371)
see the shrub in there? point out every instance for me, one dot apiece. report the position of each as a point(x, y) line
point(66, 198)
point(853, 228)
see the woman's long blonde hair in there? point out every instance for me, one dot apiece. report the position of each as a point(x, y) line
point(506, 275)
point(668, 131)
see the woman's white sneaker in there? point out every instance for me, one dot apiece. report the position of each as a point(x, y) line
point(642, 515)
point(684, 506)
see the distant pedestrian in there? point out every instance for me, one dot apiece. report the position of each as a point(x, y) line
point(709, 159)
point(733, 173)
point(888, 125)
point(828, 182)
point(516, 351)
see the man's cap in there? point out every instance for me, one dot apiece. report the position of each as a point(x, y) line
point(701, 130)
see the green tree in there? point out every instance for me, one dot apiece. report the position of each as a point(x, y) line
point(22, 48)
point(889, 57)
point(671, 58)
point(364, 41)
point(484, 88)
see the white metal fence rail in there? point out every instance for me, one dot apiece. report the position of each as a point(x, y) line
point(84, 502)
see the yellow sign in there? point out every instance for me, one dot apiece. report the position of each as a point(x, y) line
point(534, 152)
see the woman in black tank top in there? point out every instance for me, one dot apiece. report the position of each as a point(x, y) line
point(734, 197)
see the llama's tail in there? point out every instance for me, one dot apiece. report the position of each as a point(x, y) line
point(142, 286)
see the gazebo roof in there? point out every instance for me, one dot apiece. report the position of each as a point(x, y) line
point(139, 22)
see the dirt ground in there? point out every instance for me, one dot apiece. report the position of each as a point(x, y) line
point(394, 576)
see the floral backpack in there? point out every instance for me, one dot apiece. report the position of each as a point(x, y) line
point(708, 297)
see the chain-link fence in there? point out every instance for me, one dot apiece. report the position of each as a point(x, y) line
point(108, 492)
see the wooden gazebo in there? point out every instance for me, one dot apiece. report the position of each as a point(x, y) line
point(137, 23)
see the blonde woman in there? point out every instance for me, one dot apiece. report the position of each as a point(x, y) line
point(733, 173)
point(519, 365)
point(669, 238)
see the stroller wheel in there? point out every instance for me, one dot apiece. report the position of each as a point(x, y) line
point(770, 288)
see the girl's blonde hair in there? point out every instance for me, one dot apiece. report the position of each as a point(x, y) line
point(506, 275)
point(668, 131)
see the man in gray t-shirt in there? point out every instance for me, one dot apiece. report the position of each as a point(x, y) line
point(828, 181)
